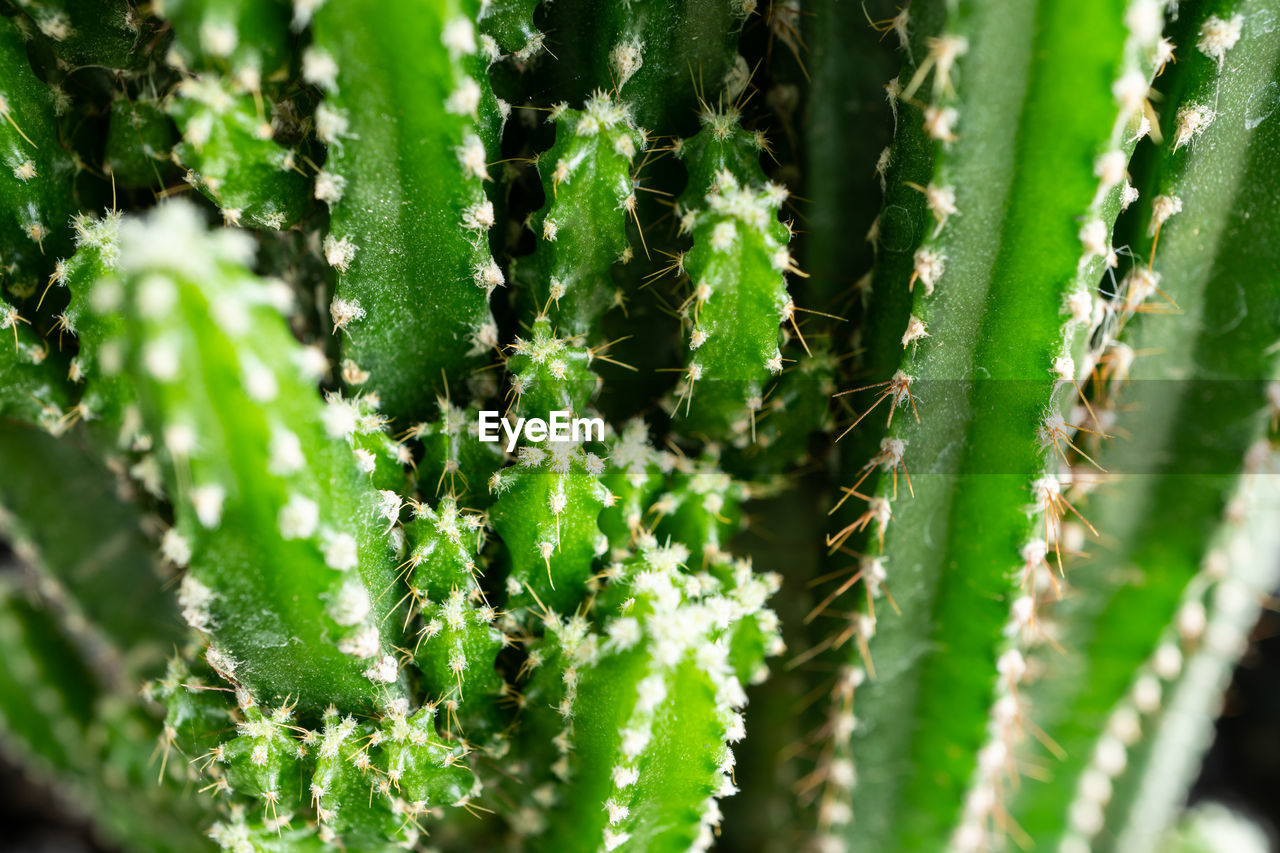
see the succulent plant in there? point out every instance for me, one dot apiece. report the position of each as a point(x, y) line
point(303, 563)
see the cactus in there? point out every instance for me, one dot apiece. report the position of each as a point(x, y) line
point(289, 482)
point(1003, 495)
point(736, 271)
point(228, 138)
point(659, 56)
point(139, 142)
point(34, 181)
point(413, 248)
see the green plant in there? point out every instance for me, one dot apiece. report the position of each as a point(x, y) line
point(1001, 497)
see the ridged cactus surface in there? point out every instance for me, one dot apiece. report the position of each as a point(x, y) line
point(553, 425)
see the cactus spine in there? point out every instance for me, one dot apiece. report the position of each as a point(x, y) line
point(410, 220)
point(287, 482)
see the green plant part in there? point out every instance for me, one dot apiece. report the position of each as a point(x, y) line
point(457, 646)
point(1150, 791)
point(107, 402)
point(30, 388)
point(550, 373)
point(794, 408)
point(442, 545)
point(412, 127)
point(582, 229)
point(454, 460)
point(1168, 585)
point(84, 33)
point(701, 509)
point(510, 24)
point(228, 127)
point(1212, 827)
point(458, 640)
point(547, 513)
point(97, 593)
point(661, 57)
point(636, 778)
point(140, 139)
point(95, 621)
point(76, 735)
point(958, 510)
point(258, 473)
point(197, 713)
point(370, 783)
point(736, 270)
point(249, 39)
point(35, 181)
point(251, 472)
point(378, 455)
point(401, 765)
point(635, 477)
point(231, 156)
point(263, 760)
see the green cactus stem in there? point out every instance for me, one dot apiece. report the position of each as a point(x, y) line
point(1184, 423)
point(970, 375)
point(547, 513)
point(737, 274)
point(661, 57)
point(638, 777)
point(231, 156)
point(85, 33)
point(30, 388)
point(139, 144)
point(510, 24)
point(273, 516)
point(35, 183)
point(405, 186)
point(228, 127)
point(586, 177)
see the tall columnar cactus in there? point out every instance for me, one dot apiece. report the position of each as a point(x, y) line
point(1011, 373)
point(1200, 578)
point(300, 564)
point(258, 469)
point(412, 128)
point(737, 274)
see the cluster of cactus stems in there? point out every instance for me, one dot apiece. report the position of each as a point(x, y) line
point(276, 592)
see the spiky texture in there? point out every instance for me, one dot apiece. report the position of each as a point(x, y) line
point(546, 511)
point(737, 274)
point(636, 774)
point(633, 47)
point(582, 230)
point(35, 189)
point(83, 33)
point(259, 471)
point(228, 150)
point(227, 123)
point(139, 144)
point(32, 391)
point(956, 352)
point(410, 220)
point(1196, 560)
